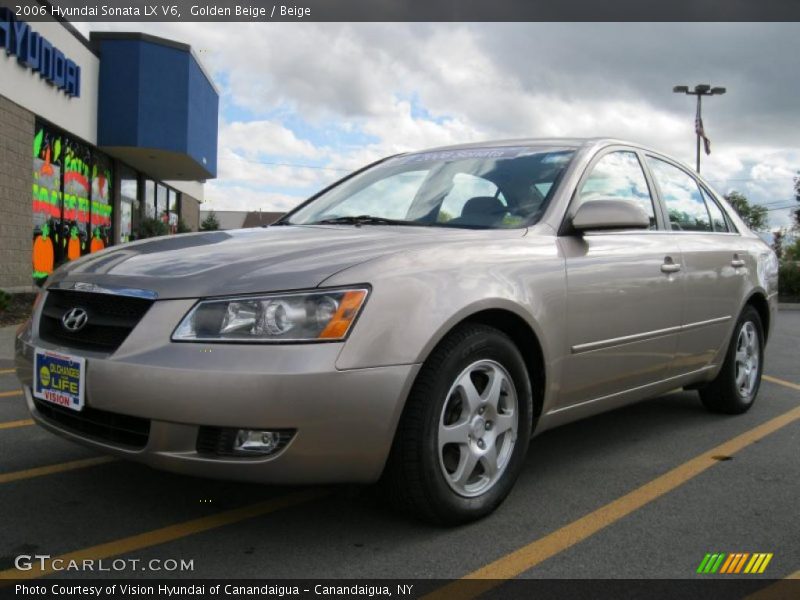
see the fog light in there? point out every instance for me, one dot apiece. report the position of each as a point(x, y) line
point(256, 441)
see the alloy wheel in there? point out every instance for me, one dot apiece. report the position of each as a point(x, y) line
point(748, 350)
point(477, 428)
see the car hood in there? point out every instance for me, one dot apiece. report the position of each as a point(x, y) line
point(246, 260)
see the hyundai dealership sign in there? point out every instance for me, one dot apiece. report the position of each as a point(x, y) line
point(36, 53)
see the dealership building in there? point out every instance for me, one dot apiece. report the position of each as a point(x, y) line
point(102, 141)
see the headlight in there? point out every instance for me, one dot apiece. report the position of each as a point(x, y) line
point(321, 315)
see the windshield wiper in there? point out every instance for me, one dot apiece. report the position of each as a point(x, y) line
point(365, 220)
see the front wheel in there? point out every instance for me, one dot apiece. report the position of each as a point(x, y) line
point(462, 439)
point(735, 388)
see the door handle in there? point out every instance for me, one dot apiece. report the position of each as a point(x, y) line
point(670, 266)
point(737, 262)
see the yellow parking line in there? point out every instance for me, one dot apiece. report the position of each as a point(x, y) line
point(527, 557)
point(14, 424)
point(7, 371)
point(11, 393)
point(782, 382)
point(170, 533)
point(56, 468)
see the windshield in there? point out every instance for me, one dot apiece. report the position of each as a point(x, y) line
point(479, 188)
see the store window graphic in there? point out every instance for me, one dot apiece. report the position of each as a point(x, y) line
point(76, 200)
point(72, 200)
point(46, 201)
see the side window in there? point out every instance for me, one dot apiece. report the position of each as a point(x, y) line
point(619, 175)
point(682, 199)
point(466, 187)
point(717, 217)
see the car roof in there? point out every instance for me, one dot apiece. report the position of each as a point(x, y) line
point(558, 142)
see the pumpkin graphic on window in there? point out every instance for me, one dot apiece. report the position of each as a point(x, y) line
point(74, 244)
point(43, 254)
point(97, 241)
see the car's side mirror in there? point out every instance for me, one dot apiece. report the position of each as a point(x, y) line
point(610, 213)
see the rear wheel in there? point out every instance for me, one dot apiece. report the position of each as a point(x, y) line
point(462, 439)
point(735, 388)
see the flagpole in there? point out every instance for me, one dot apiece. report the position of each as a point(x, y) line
point(700, 90)
point(697, 131)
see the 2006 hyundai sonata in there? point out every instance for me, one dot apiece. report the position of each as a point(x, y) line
point(415, 322)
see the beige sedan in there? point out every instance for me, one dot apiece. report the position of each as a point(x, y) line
point(415, 323)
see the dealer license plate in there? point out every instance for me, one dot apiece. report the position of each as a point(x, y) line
point(59, 378)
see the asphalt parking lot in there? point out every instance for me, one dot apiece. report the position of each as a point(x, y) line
point(643, 492)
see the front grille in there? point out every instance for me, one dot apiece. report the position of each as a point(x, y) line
point(218, 441)
point(101, 425)
point(111, 319)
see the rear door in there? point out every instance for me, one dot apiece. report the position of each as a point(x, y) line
point(714, 264)
point(624, 290)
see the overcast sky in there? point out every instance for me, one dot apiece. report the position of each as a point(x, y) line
point(335, 96)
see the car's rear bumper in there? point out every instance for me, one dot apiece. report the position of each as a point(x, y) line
point(344, 420)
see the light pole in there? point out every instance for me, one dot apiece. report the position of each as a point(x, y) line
point(700, 90)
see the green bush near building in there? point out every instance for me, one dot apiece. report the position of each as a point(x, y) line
point(789, 282)
point(5, 300)
point(151, 227)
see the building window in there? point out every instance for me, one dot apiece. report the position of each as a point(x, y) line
point(161, 203)
point(130, 207)
point(76, 191)
point(149, 199)
point(173, 204)
point(72, 199)
point(47, 146)
point(102, 190)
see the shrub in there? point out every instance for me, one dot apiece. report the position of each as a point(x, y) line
point(5, 300)
point(789, 281)
point(150, 227)
point(210, 223)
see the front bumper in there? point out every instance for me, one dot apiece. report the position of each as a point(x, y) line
point(344, 420)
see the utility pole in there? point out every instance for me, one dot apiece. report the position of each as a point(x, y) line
point(700, 90)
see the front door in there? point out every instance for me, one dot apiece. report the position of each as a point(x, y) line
point(624, 293)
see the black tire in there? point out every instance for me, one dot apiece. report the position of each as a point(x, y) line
point(723, 394)
point(413, 479)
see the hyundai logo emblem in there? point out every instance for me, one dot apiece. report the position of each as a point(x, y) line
point(74, 319)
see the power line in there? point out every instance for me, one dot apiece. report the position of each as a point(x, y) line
point(746, 178)
point(781, 201)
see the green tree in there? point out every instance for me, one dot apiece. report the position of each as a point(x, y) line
point(791, 253)
point(210, 223)
point(796, 211)
point(183, 227)
point(778, 237)
point(754, 215)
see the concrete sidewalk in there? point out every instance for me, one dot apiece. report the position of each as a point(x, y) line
point(7, 342)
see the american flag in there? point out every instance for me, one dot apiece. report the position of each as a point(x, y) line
point(698, 129)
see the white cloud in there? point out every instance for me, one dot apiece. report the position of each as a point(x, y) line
point(233, 167)
point(410, 86)
point(252, 138)
point(220, 196)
